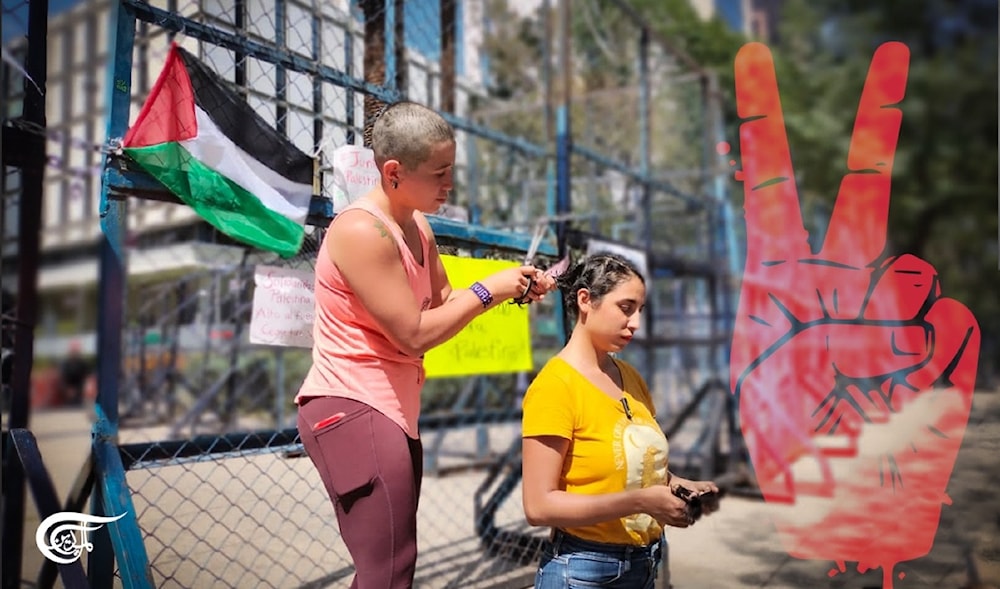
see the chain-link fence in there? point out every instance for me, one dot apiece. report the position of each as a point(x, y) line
point(189, 369)
point(646, 175)
point(576, 119)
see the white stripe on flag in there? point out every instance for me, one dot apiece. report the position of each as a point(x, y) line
point(279, 194)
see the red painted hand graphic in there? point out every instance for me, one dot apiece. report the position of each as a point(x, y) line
point(854, 375)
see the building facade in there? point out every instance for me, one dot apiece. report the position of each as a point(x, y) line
point(756, 19)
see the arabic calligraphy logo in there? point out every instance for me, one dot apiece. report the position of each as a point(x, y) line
point(57, 539)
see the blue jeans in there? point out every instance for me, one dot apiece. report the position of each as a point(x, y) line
point(569, 562)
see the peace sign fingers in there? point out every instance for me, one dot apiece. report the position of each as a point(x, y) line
point(857, 232)
point(773, 219)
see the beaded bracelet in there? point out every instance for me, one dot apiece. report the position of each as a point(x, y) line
point(483, 294)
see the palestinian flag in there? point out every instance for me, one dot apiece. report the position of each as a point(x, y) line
point(209, 148)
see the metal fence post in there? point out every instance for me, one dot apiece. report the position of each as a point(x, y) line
point(29, 237)
point(280, 79)
point(349, 100)
point(562, 327)
point(564, 136)
point(649, 319)
point(111, 493)
point(279, 388)
point(317, 91)
point(472, 180)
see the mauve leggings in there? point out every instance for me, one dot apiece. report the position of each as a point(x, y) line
point(372, 473)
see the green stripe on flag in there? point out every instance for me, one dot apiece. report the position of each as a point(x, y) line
point(217, 199)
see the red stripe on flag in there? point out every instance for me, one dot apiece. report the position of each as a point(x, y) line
point(168, 113)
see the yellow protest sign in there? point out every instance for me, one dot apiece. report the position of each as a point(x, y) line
point(496, 342)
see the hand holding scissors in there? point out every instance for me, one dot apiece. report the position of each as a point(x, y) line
point(542, 281)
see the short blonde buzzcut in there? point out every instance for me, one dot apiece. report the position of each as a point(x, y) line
point(406, 132)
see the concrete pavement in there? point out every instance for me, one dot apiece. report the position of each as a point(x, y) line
point(261, 521)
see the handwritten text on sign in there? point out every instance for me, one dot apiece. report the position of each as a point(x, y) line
point(283, 307)
point(354, 174)
point(496, 342)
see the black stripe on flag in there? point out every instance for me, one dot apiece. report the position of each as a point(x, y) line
point(243, 125)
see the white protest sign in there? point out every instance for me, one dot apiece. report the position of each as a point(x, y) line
point(283, 307)
point(354, 174)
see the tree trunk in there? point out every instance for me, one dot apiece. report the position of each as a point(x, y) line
point(374, 60)
point(400, 40)
point(448, 56)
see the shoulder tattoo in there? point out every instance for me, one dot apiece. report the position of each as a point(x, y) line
point(382, 229)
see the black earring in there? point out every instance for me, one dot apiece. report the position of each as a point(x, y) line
point(395, 184)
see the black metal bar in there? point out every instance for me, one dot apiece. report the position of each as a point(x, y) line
point(710, 461)
point(174, 353)
point(20, 148)
point(349, 118)
point(234, 295)
point(29, 461)
point(77, 499)
point(91, 157)
point(280, 77)
point(564, 132)
point(317, 85)
point(645, 83)
point(547, 72)
point(239, 59)
point(29, 232)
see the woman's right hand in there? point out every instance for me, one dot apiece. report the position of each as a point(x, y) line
point(665, 507)
point(512, 282)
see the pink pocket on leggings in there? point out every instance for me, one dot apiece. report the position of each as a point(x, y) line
point(328, 421)
point(346, 452)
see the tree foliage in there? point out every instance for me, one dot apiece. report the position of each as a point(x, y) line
point(944, 189)
point(944, 186)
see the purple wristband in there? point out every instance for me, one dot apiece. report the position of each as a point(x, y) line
point(483, 294)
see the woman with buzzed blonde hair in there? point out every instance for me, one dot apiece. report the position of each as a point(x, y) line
point(382, 300)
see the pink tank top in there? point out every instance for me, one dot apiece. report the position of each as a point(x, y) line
point(351, 356)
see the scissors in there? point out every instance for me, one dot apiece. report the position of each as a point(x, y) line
point(555, 271)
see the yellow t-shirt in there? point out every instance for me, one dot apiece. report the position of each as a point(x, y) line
point(608, 452)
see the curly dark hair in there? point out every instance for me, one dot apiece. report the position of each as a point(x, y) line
point(599, 273)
